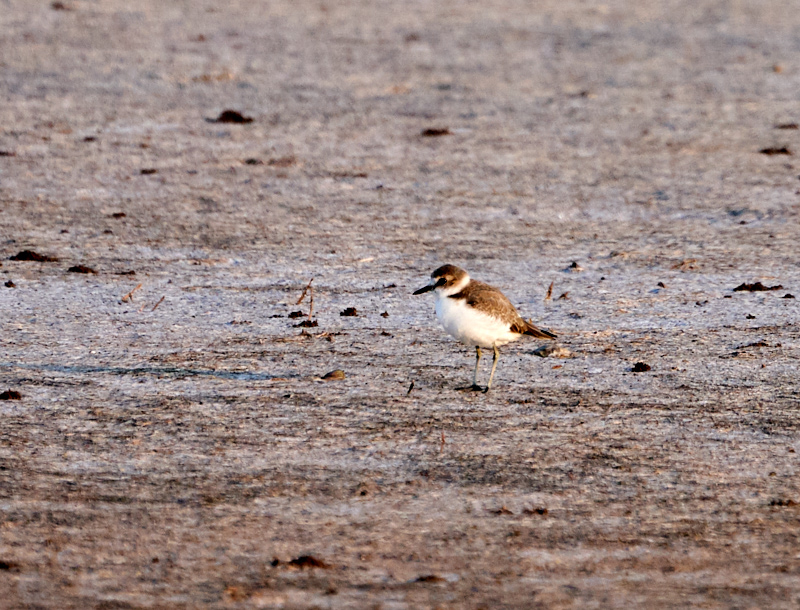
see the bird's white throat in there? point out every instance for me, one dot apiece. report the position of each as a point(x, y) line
point(444, 292)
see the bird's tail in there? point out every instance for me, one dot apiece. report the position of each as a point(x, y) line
point(535, 331)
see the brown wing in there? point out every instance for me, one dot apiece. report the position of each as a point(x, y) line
point(487, 298)
point(529, 329)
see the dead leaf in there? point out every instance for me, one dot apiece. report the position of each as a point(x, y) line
point(231, 116)
point(774, 150)
point(308, 561)
point(30, 255)
point(434, 132)
point(81, 269)
point(757, 287)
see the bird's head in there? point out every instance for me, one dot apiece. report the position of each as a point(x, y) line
point(447, 279)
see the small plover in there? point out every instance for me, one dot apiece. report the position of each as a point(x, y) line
point(477, 314)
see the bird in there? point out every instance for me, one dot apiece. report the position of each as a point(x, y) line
point(477, 314)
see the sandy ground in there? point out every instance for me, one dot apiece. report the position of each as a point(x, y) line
point(185, 453)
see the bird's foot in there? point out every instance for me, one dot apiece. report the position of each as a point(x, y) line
point(471, 388)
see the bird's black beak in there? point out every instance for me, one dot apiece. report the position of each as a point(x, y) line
point(441, 282)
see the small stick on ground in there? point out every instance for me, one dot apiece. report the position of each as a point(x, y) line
point(161, 300)
point(129, 296)
point(410, 387)
point(141, 309)
point(310, 290)
point(441, 447)
point(549, 292)
point(303, 294)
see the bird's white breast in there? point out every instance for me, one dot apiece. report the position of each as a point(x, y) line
point(471, 326)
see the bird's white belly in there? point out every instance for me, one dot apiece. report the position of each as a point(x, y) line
point(471, 326)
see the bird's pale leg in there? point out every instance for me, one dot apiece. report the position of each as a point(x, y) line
point(475, 387)
point(494, 366)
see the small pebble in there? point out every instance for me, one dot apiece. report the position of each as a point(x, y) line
point(334, 375)
point(552, 351)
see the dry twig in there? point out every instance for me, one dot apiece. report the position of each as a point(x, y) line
point(310, 290)
point(129, 296)
point(303, 294)
point(161, 300)
point(549, 292)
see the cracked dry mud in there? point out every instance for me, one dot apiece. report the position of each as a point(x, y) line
point(181, 449)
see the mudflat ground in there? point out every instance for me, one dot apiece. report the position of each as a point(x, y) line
point(178, 448)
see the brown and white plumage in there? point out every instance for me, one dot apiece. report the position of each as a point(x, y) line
point(477, 314)
point(487, 298)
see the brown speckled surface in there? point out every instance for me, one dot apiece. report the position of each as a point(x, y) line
point(165, 453)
